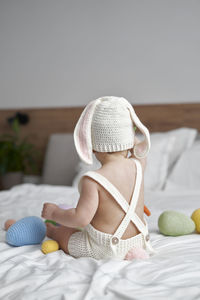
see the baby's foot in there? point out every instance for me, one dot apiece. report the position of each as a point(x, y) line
point(51, 230)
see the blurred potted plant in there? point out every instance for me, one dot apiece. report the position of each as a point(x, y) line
point(17, 155)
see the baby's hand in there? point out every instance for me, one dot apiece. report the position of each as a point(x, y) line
point(48, 210)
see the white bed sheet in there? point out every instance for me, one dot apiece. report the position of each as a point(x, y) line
point(26, 273)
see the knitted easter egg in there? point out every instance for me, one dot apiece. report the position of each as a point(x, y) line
point(65, 206)
point(136, 253)
point(8, 223)
point(27, 231)
point(196, 218)
point(49, 246)
point(175, 223)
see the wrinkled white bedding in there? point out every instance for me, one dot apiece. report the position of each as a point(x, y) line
point(26, 273)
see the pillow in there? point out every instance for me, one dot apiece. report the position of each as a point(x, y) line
point(60, 160)
point(185, 138)
point(158, 161)
point(186, 173)
point(157, 165)
point(165, 149)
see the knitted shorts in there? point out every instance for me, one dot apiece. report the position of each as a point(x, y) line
point(93, 243)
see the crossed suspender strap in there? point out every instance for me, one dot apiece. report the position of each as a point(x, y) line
point(128, 209)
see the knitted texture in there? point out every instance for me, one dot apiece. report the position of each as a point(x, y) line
point(112, 127)
point(136, 253)
point(27, 231)
point(107, 125)
point(49, 246)
point(93, 243)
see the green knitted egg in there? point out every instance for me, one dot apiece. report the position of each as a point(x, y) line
point(175, 223)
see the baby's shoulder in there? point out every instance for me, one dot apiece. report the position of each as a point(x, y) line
point(87, 179)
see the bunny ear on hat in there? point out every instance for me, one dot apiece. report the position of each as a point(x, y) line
point(141, 149)
point(82, 133)
point(83, 130)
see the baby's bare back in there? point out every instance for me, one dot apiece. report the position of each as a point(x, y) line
point(122, 175)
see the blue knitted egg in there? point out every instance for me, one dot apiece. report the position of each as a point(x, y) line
point(27, 231)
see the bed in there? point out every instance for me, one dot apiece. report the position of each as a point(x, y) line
point(171, 183)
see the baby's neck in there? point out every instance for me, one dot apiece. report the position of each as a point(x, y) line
point(106, 158)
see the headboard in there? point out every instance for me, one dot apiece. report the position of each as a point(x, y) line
point(45, 121)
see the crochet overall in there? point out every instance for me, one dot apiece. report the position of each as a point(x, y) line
point(93, 243)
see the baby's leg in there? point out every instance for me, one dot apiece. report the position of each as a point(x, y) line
point(60, 234)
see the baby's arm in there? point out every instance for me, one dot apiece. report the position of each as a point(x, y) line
point(80, 216)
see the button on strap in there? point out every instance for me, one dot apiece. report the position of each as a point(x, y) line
point(147, 237)
point(115, 240)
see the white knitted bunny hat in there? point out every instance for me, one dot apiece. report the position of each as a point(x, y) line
point(107, 125)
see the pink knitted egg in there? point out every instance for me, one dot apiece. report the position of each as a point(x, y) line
point(64, 206)
point(8, 223)
point(136, 253)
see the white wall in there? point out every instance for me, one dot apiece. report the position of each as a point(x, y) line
point(68, 52)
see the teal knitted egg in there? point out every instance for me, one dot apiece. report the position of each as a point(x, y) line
point(27, 231)
point(175, 223)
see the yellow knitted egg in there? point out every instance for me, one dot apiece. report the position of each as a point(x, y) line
point(196, 218)
point(49, 246)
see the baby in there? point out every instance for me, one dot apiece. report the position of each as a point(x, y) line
point(111, 205)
